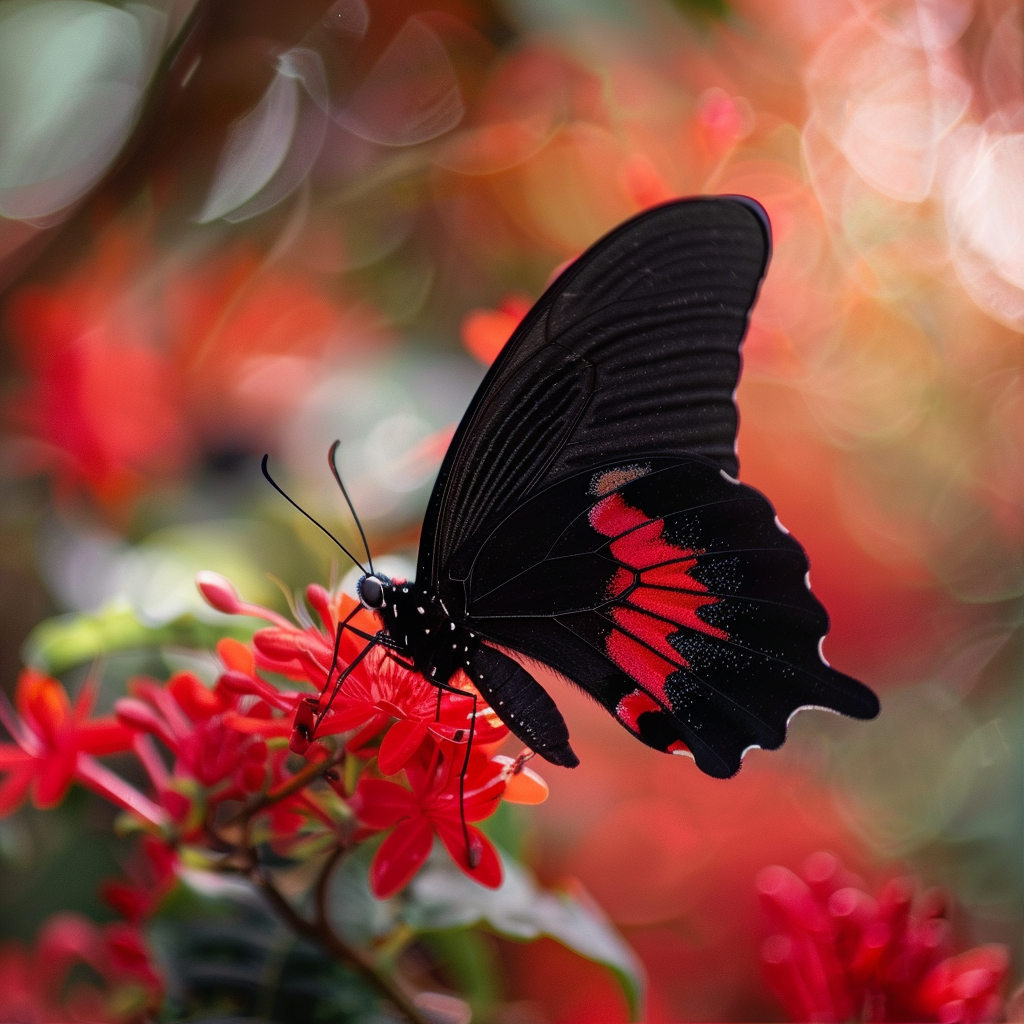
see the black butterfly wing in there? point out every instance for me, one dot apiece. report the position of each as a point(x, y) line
point(671, 592)
point(620, 380)
point(633, 350)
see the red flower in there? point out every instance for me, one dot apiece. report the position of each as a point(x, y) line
point(56, 744)
point(485, 331)
point(42, 985)
point(151, 875)
point(431, 805)
point(377, 690)
point(842, 954)
point(196, 725)
point(380, 689)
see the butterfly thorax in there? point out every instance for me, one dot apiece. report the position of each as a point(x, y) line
point(419, 623)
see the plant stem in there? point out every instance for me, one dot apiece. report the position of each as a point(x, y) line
point(321, 934)
point(298, 781)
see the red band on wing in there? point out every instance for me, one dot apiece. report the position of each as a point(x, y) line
point(640, 663)
point(632, 706)
point(667, 591)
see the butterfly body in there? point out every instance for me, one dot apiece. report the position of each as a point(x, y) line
point(417, 622)
point(588, 515)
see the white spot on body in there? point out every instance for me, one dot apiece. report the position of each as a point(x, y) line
point(807, 579)
point(422, 611)
point(452, 624)
point(778, 523)
point(821, 653)
point(729, 479)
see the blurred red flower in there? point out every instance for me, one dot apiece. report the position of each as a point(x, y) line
point(101, 403)
point(485, 331)
point(842, 954)
point(151, 875)
point(42, 986)
point(194, 723)
point(56, 744)
point(132, 361)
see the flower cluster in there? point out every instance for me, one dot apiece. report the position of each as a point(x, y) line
point(82, 971)
point(47, 984)
point(277, 745)
point(842, 954)
point(390, 721)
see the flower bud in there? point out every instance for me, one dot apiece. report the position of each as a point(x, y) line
point(218, 592)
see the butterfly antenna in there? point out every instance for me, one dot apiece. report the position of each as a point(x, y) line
point(332, 460)
point(273, 483)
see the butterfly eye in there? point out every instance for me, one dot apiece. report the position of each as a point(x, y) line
point(371, 592)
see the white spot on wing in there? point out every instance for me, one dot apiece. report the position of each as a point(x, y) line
point(810, 707)
point(821, 653)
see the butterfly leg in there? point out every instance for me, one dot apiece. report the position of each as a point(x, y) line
point(380, 637)
point(339, 682)
point(472, 855)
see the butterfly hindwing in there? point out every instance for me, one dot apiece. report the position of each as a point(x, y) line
point(682, 583)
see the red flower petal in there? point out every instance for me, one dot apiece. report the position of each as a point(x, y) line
point(400, 742)
point(236, 655)
point(198, 701)
point(14, 789)
point(487, 870)
point(12, 757)
point(104, 736)
point(53, 778)
point(381, 804)
point(43, 703)
point(265, 727)
point(400, 856)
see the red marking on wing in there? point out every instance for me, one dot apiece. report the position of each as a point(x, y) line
point(654, 632)
point(632, 706)
point(622, 579)
point(676, 605)
point(640, 545)
point(612, 516)
point(640, 663)
point(645, 546)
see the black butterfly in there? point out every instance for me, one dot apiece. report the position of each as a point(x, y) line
point(587, 514)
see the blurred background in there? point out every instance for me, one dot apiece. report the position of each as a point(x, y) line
point(247, 226)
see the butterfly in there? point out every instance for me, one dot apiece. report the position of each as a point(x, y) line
point(588, 517)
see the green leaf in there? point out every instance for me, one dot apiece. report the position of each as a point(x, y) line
point(470, 965)
point(703, 10)
point(442, 897)
point(351, 908)
point(226, 955)
point(61, 643)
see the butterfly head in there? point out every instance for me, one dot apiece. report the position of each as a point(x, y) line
point(373, 591)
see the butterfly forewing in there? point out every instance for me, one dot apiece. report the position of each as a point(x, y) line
point(634, 349)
